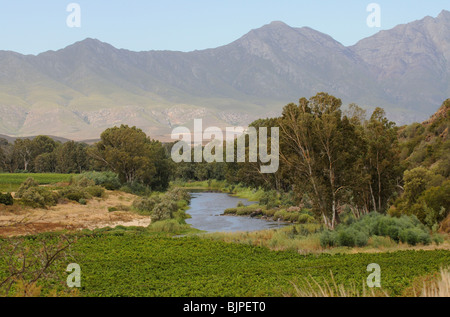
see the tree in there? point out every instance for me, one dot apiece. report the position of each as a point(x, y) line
point(2, 158)
point(72, 157)
point(382, 159)
point(133, 156)
point(319, 146)
point(250, 173)
point(23, 153)
point(7, 162)
point(45, 163)
point(417, 181)
point(43, 144)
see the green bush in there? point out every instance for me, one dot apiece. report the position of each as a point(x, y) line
point(350, 237)
point(74, 193)
point(288, 199)
point(415, 236)
point(39, 197)
point(177, 193)
point(81, 190)
point(136, 188)
point(31, 194)
point(305, 218)
point(163, 206)
point(27, 184)
point(407, 229)
point(146, 204)
point(95, 191)
point(437, 238)
point(82, 181)
point(108, 180)
point(164, 210)
point(269, 199)
point(6, 199)
point(328, 239)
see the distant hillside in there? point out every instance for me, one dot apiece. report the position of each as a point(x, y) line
point(425, 152)
point(427, 144)
point(79, 91)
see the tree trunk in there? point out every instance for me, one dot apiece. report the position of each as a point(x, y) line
point(373, 197)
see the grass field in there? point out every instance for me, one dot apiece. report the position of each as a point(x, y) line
point(11, 182)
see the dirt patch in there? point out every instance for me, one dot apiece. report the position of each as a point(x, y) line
point(72, 216)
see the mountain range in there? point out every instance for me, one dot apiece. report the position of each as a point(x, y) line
point(79, 91)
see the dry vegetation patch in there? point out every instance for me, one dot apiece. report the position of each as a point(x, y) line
point(110, 211)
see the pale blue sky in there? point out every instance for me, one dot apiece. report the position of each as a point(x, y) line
point(34, 26)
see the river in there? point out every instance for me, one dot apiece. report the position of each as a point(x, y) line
point(206, 210)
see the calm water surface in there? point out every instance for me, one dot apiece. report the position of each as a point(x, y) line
point(207, 208)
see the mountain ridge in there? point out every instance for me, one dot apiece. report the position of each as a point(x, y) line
point(78, 91)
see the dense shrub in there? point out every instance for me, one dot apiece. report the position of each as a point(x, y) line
point(108, 180)
point(288, 199)
point(436, 203)
point(27, 184)
point(6, 199)
point(95, 191)
point(31, 194)
point(269, 199)
point(305, 218)
point(328, 239)
point(82, 181)
point(427, 196)
point(163, 206)
point(407, 229)
point(75, 193)
point(415, 236)
point(136, 188)
point(177, 194)
point(164, 210)
point(39, 197)
point(146, 204)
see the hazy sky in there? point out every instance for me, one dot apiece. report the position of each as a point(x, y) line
point(34, 26)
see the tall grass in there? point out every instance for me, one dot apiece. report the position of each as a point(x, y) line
point(312, 288)
point(303, 239)
point(439, 288)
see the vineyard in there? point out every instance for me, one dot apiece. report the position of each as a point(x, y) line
point(120, 264)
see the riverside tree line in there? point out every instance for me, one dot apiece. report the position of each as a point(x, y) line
point(330, 159)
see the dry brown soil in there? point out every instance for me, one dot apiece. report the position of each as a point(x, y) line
point(18, 221)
